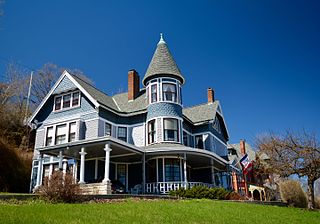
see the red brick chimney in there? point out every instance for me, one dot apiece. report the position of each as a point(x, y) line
point(210, 95)
point(133, 84)
point(243, 146)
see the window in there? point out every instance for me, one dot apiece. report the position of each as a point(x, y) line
point(122, 173)
point(169, 92)
point(49, 137)
point(151, 132)
point(67, 100)
point(75, 99)
point(170, 127)
point(107, 129)
point(199, 141)
point(122, 133)
point(72, 131)
point(57, 103)
point(153, 93)
point(172, 170)
point(186, 139)
point(61, 133)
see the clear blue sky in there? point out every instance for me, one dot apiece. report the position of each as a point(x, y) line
point(261, 57)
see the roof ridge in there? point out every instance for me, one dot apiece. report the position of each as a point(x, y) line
point(88, 84)
point(197, 105)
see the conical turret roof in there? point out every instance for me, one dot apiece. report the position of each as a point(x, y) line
point(162, 64)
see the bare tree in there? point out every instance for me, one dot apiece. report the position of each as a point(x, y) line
point(293, 154)
point(46, 77)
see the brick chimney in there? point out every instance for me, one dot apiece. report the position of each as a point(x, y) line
point(210, 95)
point(243, 146)
point(133, 84)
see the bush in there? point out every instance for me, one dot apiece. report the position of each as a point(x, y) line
point(204, 192)
point(59, 188)
point(292, 193)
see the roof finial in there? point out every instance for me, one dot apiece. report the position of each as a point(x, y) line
point(161, 39)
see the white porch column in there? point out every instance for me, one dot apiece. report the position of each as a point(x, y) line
point(64, 166)
point(82, 165)
point(107, 164)
point(60, 160)
point(39, 175)
point(96, 169)
point(185, 169)
point(144, 173)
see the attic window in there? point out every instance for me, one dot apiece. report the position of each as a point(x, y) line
point(66, 101)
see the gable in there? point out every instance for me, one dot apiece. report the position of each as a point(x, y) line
point(64, 86)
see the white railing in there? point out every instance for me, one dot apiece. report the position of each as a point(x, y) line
point(165, 187)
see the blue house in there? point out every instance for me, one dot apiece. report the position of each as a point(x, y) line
point(144, 138)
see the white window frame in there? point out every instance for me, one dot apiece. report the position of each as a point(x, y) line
point(155, 130)
point(178, 130)
point(104, 128)
point(67, 134)
point(117, 136)
point(71, 99)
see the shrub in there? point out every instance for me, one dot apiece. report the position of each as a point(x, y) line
point(292, 193)
point(202, 192)
point(59, 188)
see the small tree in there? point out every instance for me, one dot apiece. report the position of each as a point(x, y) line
point(60, 187)
point(292, 193)
point(293, 154)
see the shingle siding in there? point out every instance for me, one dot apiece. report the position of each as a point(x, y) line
point(91, 129)
point(65, 85)
point(137, 135)
point(40, 135)
point(164, 109)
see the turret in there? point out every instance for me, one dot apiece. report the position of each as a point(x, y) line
point(163, 81)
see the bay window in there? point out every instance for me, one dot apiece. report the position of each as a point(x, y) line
point(151, 132)
point(61, 133)
point(107, 129)
point(72, 131)
point(49, 136)
point(122, 133)
point(170, 127)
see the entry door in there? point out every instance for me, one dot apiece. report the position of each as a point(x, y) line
point(122, 174)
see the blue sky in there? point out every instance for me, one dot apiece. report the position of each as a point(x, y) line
point(261, 57)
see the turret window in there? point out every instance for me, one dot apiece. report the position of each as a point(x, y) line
point(151, 132)
point(169, 92)
point(154, 93)
point(171, 130)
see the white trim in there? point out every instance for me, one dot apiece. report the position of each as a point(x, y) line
point(208, 132)
point(65, 118)
point(117, 132)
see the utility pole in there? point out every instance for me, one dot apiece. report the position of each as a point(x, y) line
point(28, 97)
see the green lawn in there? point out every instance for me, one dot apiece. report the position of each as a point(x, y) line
point(158, 211)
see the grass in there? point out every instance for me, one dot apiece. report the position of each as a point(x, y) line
point(156, 211)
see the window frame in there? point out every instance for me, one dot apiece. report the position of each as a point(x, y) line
point(71, 106)
point(177, 139)
point(152, 133)
point(121, 138)
point(104, 131)
point(175, 94)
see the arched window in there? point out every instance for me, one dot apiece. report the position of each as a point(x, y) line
point(169, 92)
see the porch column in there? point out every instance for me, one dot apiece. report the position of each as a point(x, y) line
point(213, 180)
point(107, 163)
point(185, 170)
point(82, 165)
point(39, 175)
point(144, 173)
point(60, 160)
point(64, 166)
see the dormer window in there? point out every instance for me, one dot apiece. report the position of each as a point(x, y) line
point(169, 92)
point(66, 101)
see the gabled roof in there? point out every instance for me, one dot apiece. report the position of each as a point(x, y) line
point(202, 112)
point(162, 63)
point(249, 150)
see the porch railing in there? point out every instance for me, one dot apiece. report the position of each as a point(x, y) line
point(165, 187)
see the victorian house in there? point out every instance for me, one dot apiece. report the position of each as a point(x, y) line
point(144, 138)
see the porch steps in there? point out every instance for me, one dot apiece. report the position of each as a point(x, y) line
point(95, 188)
